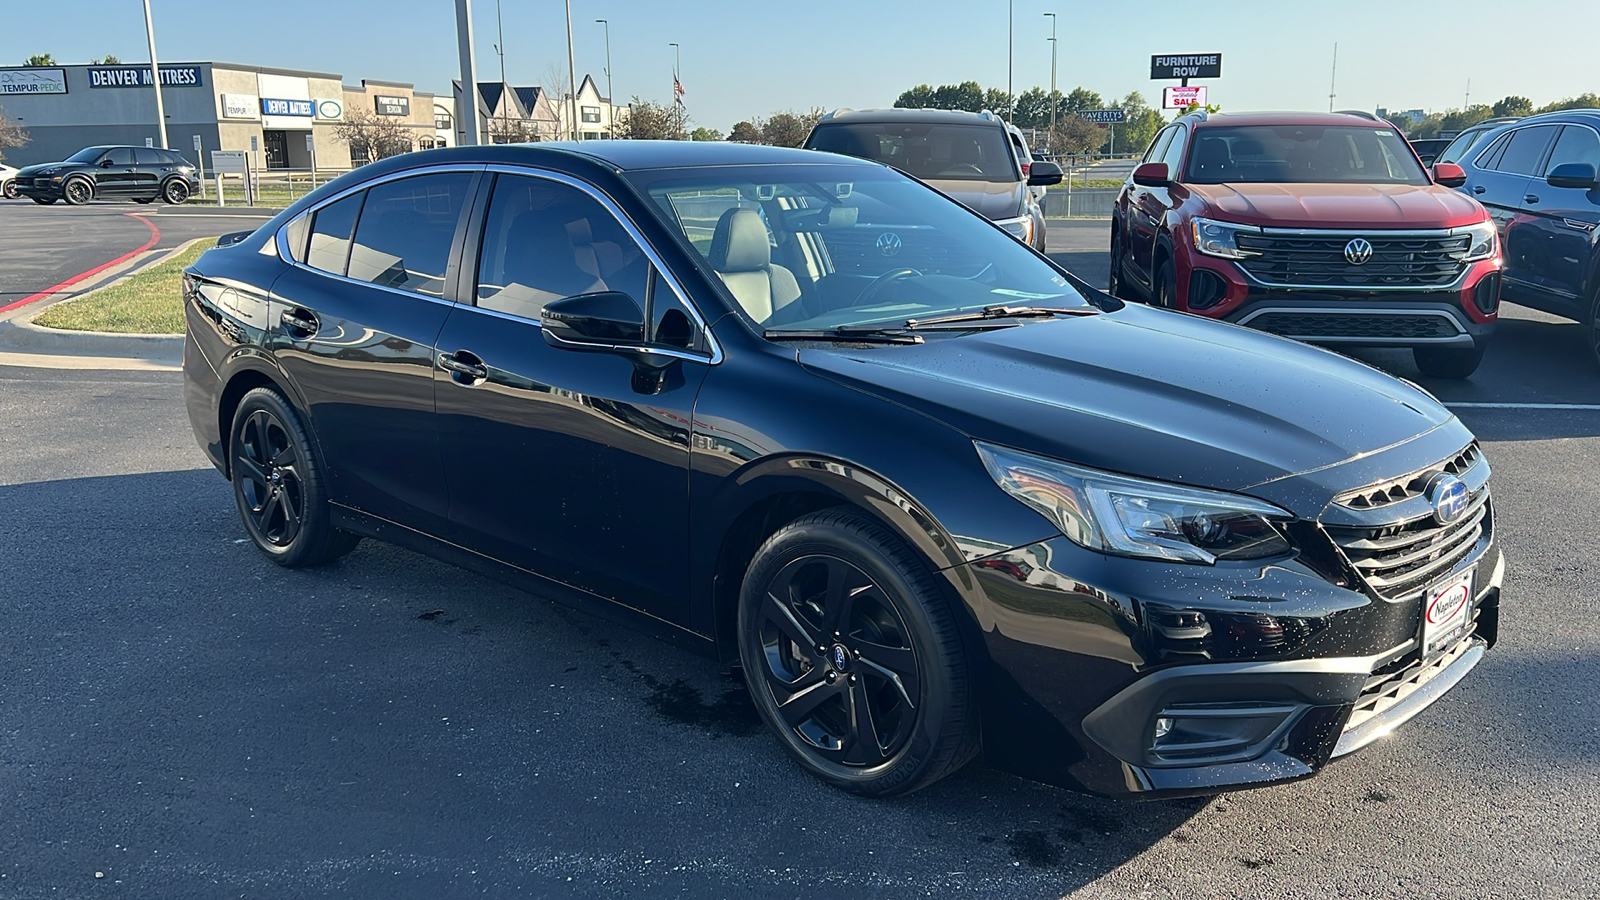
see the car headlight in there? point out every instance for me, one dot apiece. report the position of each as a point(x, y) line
point(1134, 517)
point(1215, 238)
point(1485, 242)
point(1020, 228)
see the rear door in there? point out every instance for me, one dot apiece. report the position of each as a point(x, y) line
point(1149, 206)
point(354, 326)
point(115, 174)
point(573, 464)
point(1500, 181)
point(1560, 228)
point(149, 167)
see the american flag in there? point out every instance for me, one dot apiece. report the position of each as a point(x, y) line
point(677, 89)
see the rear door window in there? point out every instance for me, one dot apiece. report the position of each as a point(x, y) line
point(1525, 150)
point(330, 234)
point(145, 156)
point(405, 232)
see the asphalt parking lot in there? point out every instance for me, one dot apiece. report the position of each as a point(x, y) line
point(183, 719)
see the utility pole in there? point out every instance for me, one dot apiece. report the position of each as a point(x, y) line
point(1053, 103)
point(500, 48)
point(1466, 102)
point(155, 77)
point(611, 103)
point(467, 114)
point(572, 76)
point(1011, 30)
point(1333, 75)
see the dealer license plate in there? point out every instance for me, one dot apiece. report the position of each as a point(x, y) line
point(1446, 613)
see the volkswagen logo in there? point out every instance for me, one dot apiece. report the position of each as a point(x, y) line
point(1448, 494)
point(888, 243)
point(1358, 251)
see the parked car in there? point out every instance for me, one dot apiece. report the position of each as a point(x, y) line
point(801, 411)
point(1318, 226)
point(1428, 148)
point(1025, 160)
point(8, 187)
point(141, 174)
point(1537, 178)
point(969, 156)
point(1463, 143)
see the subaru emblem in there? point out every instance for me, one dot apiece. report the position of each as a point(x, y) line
point(1358, 251)
point(1448, 494)
point(888, 243)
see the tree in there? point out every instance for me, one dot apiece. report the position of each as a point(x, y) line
point(705, 134)
point(1514, 106)
point(1074, 135)
point(997, 101)
point(919, 97)
point(107, 60)
point(11, 133)
point(371, 138)
point(1142, 124)
point(967, 95)
point(1582, 101)
point(745, 133)
point(504, 130)
point(40, 59)
point(648, 121)
point(1033, 108)
point(1081, 99)
point(784, 130)
point(1459, 119)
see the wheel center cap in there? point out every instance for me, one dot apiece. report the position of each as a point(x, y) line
point(276, 477)
point(840, 657)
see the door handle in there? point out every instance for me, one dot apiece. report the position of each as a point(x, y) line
point(1530, 198)
point(464, 364)
point(299, 322)
point(1478, 189)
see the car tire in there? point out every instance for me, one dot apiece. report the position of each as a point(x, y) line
point(1164, 289)
point(144, 200)
point(853, 657)
point(1594, 327)
point(44, 201)
point(175, 191)
point(279, 485)
point(1117, 286)
point(10, 190)
point(78, 191)
point(1448, 362)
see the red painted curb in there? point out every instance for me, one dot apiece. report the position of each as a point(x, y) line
point(155, 238)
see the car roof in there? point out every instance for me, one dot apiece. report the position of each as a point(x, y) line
point(1216, 120)
point(919, 116)
point(640, 155)
point(1586, 116)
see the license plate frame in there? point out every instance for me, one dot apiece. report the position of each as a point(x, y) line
point(1446, 613)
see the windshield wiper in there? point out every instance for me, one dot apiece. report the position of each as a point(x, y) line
point(1001, 312)
point(849, 335)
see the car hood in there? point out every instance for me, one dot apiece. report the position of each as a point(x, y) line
point(1149, 393)
point(1340, 205)
point(39, 167)
point(994, 200)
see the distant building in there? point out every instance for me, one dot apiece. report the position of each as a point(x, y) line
point(511, 114)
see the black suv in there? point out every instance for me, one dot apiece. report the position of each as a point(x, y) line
point(967, 156)
point(141, 174)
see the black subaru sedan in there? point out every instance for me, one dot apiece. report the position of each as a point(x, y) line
point(935, 496)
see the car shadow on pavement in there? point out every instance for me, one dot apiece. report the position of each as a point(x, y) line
point(190, 719)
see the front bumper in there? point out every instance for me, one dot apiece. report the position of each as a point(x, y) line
point(42, 188)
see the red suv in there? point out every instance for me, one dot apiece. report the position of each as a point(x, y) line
point(1318, 226)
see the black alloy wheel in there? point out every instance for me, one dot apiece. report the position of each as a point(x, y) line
point(1447, 362)
point(1118, 286)
point(78, 191)
point(144, 200)
point(853, 658)
point(1164, 291)
point(175, 191)
point(1594, 327)
point(44, 201)
point(278, 485)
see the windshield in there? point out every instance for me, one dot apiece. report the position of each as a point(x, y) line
point(1297, 154)
point(825, 247)
point(87, 154)
point(924, 150)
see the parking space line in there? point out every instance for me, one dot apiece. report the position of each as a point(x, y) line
point(155, 238)
point(1580, 406)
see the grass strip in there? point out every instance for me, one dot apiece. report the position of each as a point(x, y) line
point(148, 302)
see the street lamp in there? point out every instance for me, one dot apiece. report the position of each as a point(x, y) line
point(1011, 29)
point(155, 76)
point(1053, 103)
point(611, 102)
point(572, 76)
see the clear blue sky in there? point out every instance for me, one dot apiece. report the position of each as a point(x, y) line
point(748, 59)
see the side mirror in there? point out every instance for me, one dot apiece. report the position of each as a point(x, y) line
point(106, 163)
point(1152, 175)
point(1572, 175)
point(1043, 172)
point(600, 321)
point(1449, 174)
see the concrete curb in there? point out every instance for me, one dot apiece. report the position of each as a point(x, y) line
point(20, 336)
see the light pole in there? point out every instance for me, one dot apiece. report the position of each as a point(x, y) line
point(1010, 39)
point(500, 48)
point(155, 77)
point(611, 103)
point(1053, 103)
point(467, 112)
point(572, 76)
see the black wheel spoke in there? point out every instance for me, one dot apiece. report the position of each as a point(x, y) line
point(863, 747)
point(896, 665)
point(285, 457)
point(799, 706)
point(248, 468)
point(290, 505)
point(844, 583)
point(269, 509)
point(780, 614)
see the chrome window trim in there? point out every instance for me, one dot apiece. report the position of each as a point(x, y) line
point(714, 358)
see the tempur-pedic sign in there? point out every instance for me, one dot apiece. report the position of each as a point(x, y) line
point(139, 76)
point(33, 81)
